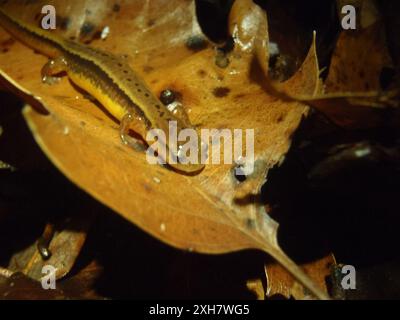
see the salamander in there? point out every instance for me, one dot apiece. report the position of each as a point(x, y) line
point(111, 81)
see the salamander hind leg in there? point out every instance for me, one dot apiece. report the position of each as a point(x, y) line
point(53, 67)
point(133, 122)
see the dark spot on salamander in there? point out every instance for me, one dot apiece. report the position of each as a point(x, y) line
point(139, 90)
point(119, 64)
point(88, 12)
point(72, 38)
point(147, 95)
point(167, 96)
point(280, 118)
point(162, 114)
point(196, 43)
point(116, 7)
point(221, 92)
point(129, 79)
point(125, 71)
point(151, 23)
point(158, 106)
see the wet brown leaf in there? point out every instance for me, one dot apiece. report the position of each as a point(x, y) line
point(20, 287)
point(211, 212)
point(280, 282)
point(257, 287)
point(352, 96)
point(65, 247)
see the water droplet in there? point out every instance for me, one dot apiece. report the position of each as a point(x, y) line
point(105, 32)
point(156, 180)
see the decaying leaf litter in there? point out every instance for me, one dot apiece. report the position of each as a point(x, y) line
point(211, 212)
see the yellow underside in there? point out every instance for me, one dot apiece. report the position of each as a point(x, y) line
point(114, 108)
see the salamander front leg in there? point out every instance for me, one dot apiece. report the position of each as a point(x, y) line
point(53, 67)
point(134, 122)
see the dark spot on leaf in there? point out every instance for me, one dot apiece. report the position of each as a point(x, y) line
point(148, 69)
point(116, 7)
point(221, 92)
point(280, 118)
point(64, 22)
point(239, 173)
point(196, 43)
point(87, 28)
point(250, 223)
point(147, 187)
point(7, 43)
point(201, 73)
point(167, 96)
point(240, 95)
